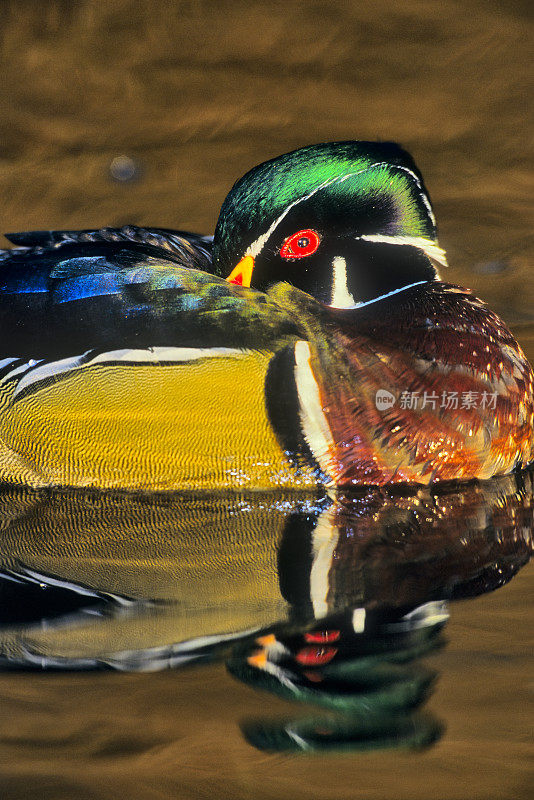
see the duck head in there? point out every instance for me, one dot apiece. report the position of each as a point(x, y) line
point(347, 222)
point(346, 232)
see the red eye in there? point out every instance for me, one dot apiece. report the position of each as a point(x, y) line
point(300, 244)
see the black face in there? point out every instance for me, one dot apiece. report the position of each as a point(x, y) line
point(321, 253)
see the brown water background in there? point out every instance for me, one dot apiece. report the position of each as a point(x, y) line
point(197, 93)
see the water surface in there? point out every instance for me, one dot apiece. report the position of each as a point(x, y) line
point(164, 644)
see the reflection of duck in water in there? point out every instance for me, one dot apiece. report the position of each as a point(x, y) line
point(317, 600)
point(357, 664)
point(127, 366)
point(149, 583)
point(204, 567)
point(362, 567)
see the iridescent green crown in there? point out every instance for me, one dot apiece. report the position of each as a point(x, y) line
point(378, 180)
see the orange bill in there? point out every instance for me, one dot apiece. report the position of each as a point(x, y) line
point(242, 273)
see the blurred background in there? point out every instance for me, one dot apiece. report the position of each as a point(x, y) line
point(147, 111)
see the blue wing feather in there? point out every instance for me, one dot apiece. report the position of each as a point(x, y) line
point(63, 293)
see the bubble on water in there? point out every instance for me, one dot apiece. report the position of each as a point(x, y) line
point(124, 169)
point(490, 267)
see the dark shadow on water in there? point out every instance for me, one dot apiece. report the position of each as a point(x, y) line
point(329, 601)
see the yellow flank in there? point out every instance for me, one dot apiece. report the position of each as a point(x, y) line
point(195, 425)
point(211, 559)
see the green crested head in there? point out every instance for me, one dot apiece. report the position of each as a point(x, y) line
point(344, 221)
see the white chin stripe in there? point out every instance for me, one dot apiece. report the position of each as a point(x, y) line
point(341, 297)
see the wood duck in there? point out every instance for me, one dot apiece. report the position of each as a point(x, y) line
point(324, 349)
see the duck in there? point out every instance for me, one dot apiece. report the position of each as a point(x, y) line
point(311, 342)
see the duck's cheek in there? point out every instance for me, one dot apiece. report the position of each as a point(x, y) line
point(311, 275)
point(268, 271)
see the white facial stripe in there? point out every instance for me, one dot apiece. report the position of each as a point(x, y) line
point(325, 539)
point(432, 250)
point(426, 201)
point(257, 246)
point(314, 423)
point(341, 297)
